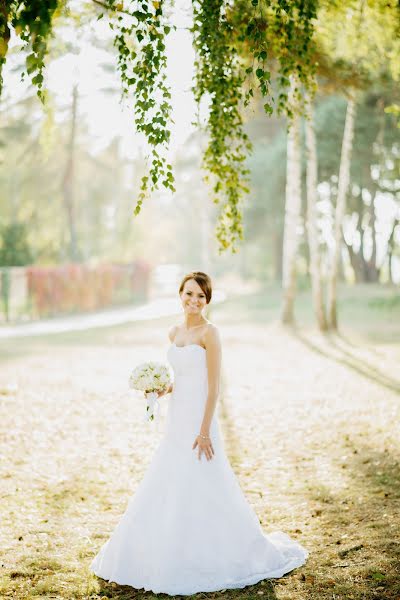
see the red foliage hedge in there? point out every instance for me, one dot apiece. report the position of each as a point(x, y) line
point(77, 288)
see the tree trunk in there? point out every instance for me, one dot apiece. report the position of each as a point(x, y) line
point(343, 185)
point(372, 270)
point(356, 264)
point(390, 249)
point(277, 245)
point(68, 187)
point(292, 210)
point(365, 271)
point(312, 229)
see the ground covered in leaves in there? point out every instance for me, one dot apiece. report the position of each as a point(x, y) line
point(310, 423)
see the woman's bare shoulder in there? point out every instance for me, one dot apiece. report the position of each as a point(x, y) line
point(212, 333)
point(172, 332)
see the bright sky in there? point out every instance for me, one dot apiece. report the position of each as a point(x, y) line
point(104, 114)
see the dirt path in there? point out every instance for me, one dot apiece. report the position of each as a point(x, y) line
point(310, 426)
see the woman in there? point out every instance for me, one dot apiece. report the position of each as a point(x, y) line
point(189, 528)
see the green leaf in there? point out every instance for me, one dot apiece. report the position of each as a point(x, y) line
point(250, 28)
point(140, 16)
point(377, 576)
point(38, 79)
point(31, 63)
point(268, 109)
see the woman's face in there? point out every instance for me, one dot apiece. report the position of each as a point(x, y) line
point(193, 298)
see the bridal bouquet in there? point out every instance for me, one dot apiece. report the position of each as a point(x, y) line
point(151, 378)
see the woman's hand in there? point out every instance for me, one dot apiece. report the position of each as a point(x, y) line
point(204, 445)
point(162, 392)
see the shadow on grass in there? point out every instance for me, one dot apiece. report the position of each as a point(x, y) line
point(232, 444)
point(363, 520)
point(125, 592)
point(354, 528)
point(358, 346)
point(348, 358)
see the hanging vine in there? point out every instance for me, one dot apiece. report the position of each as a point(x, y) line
point(4, 38)
point(291, 35)
point(139, 37)
point(139, 29)
point(32, 22)
point(234, 44)
point(249, 21)
point(238, 43)
point(218, 75)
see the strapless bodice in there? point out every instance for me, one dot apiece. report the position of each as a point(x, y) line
point(188, 361)
point(187, 401)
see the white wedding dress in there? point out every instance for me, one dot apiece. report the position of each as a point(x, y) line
point(189, 528)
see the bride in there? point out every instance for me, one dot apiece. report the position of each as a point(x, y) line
point(189, 528)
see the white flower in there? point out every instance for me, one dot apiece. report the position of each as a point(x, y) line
point(151, 377)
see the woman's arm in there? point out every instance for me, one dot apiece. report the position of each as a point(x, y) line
point(213, 357)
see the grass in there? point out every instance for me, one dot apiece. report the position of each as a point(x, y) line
point(310, 424)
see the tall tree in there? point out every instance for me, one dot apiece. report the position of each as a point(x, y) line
point(367, 43)
point(292, 207)
point(343, 186)
point(312, 226)
point(68, 182)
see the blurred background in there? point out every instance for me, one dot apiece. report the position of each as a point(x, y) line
point(71, 172)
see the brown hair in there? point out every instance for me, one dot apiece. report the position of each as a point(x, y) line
point(203, 280)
